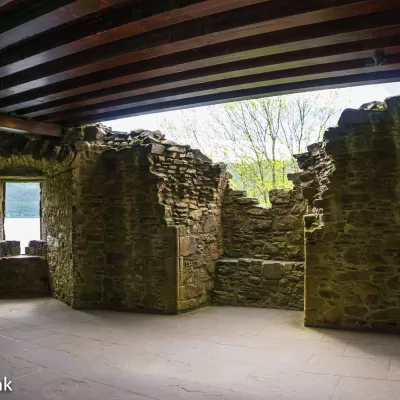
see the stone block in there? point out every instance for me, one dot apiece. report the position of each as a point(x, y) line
point(279, 196)
point(259, 210)
point(247, 200)
point(9, 248)
point(157, 148)
point(272, 270)
point(94, 133)
point(354, 117)
point(261, 225)
point(188, 246)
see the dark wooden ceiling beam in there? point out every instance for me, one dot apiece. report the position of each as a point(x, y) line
point(6, 5)
point(189, 36)
point(222, 97)
point(338, 32)
point(200, 9)
point(59, 16)
point(295, 75)
point(279, 62)
point(18, 125)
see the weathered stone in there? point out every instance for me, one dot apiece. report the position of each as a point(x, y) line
point(352, 246)
point(246, 200)
point(279, 196)
point(272, 270)
point(264, 232)
point(351, 117)
point(23, 277)
point(188, 245)
point(157, 148)
point(9, 248)
point(259, 283)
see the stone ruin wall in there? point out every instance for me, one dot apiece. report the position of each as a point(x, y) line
point(133, 221)
point(24, 277)
point(254, 231)
point(352, 185)
point(122, 249)
point(191, 192)
point(146, 222)
point(30, 158)
point(155, 245)
point(263, 250)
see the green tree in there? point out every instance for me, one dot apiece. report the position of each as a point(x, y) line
point(257, 138)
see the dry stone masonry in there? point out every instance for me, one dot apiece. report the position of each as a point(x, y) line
point(9, 248)
point(275, 232)
point(24, 276)
point(253, 282)
point(352, 185)
point(133, 221)
point(260, 247)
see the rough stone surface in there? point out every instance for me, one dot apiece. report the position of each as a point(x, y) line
point(132, 221)
point(263, 241)
point(351, 183)
point(36, 248)
point(253, 282)
point(154, 244)
point(57, 231)
point(276, 232)
point(9, 248)
point(23, 277)
point(124, 255)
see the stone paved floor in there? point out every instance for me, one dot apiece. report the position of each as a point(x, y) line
point(52, 352)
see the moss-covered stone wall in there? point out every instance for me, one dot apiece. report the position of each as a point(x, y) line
point(49, 161)
point(23, 276)
point(87, 219)
point(57, 232)
point(251, 282)
point(191, 191)
point(263, 264)
point(352, 184)
point(146, 222)
point(276, 232)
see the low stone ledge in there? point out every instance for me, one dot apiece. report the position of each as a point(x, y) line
point(23, 276)
point(253, 282)
point(36, 248)
point(9, 248)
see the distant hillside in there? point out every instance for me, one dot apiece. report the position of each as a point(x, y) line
point(22, 200)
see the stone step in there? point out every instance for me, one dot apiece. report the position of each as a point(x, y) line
point(237, 193)
point(247, 200)
point(231, 261)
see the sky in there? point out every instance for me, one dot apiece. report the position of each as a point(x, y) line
point(348, 98)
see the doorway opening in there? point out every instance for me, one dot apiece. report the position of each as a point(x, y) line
point(22, 213)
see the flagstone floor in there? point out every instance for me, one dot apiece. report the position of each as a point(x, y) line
point(52, 352)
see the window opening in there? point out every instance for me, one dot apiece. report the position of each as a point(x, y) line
point(22, 212)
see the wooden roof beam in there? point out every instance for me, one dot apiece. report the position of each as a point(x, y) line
point(59, 16)
point(340, 69)
point(17, 125)
point(253, 93)
point(201, 9)
point(192, 37)
point(6, 5)
point(280, 62)
point(335, 33)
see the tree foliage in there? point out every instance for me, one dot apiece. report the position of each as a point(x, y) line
point(258, 138)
